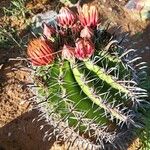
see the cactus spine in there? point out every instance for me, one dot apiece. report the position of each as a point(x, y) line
point(89, 93)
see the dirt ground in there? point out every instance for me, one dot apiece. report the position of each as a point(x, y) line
point(18, 129)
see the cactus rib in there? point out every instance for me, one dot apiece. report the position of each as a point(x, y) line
point(96, 98)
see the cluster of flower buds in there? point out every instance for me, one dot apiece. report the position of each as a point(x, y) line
point(73, 37)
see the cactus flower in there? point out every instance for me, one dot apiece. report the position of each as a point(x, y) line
point(48, 30)
point(87, 32)
point(68, 52)
point(66, 17)
point(40, 52)
point(88, 16)
point(84, 48)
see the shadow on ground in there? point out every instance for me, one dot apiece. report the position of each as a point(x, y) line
point(24, 134)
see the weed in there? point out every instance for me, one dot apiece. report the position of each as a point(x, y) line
point(15, 21)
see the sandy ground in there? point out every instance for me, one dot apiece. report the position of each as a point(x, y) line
point(18, 131)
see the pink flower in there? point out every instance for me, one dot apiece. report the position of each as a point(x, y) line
point(40, 52)
point(87, 32)
point(84, 48)
point(48, 30)
point(88, 16)
point(66, 17)
point(68, 52)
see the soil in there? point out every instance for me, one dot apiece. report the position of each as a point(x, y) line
point(19, 128)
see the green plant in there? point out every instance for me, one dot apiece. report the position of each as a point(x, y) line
point(8, 37)
point(17, 9)
point(144, 136)
point(15, 21)
point(86, 83)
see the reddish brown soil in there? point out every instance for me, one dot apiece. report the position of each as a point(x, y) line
point(17, 131)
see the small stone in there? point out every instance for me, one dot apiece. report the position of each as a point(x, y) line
point(147, 47)
point(138, 9)
point(110, 9)
point(134, 43)
point(142, 51)
point(9, 134)
point(22, 102)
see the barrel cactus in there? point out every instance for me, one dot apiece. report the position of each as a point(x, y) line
point(86, 85)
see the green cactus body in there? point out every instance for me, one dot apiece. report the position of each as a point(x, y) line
point(66, 95)
point(90, 96)
point(81, 93)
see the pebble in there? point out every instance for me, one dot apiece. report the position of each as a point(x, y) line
point(22, 102)
point(147, 48)
point(110, 9)
point(47, 17)
point(134, 43)
point(9, 134)
point(142, 51)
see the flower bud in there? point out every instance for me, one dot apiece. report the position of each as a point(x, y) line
point(48, 30)
point(68, 52)
point(88, 16)
point(86, 32)
point(66, 17)
point(40, 52)
point(84, 48)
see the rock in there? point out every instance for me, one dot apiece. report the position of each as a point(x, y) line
point(48, 17)
point(138, 9)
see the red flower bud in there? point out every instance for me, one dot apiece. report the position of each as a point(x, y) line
point(68, 52)
point(84, 48)
point(87, 33)
point(48, 30)
point(66, 17)
point(40, 52)
point(88, 16)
